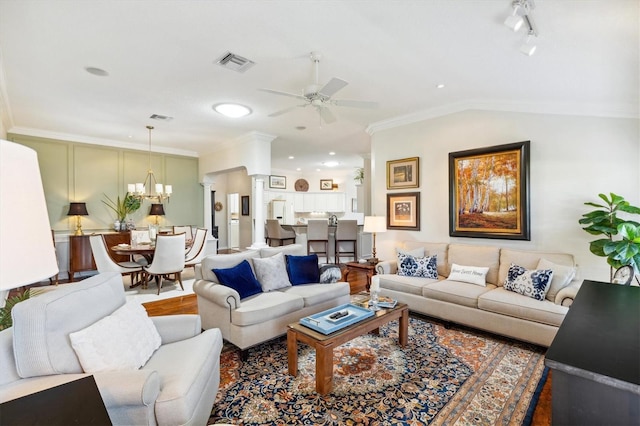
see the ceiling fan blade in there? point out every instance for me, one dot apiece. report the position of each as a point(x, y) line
point(332, 87)
point(277, 92)
point(286, 110)
point(354, 104)
point(326, 115)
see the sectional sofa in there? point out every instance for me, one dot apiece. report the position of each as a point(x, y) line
point(485, 304)
point(264, 315)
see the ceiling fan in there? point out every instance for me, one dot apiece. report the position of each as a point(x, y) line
point(320, 96)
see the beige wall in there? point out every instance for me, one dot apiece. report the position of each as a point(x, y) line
point(572, 160)
point(75, 172)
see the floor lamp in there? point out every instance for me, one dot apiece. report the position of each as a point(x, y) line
point(28, 254)
point(374, 225)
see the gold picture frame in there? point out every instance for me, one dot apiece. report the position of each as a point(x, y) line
point(403, 173)
point(326, 184)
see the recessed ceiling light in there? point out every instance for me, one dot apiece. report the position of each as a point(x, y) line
point(298, 169)
point(317, 170)
point(440, 86)
point(331, 163)
point(291, 157)
point(332, 153)
point(232, 110)
point(96, 71)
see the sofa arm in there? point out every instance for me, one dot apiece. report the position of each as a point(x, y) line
point(217, 293)
point(387, 267)
point(173, 328)
point(566, 295)
point(128, 387)
point(198, 271)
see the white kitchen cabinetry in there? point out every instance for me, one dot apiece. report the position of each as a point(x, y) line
point(333, 202)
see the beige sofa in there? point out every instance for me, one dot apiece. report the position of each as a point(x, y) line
point(176, 385)
point(263, 316)
point(491, 307)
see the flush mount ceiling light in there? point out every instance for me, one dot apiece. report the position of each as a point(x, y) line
point(331, 163)
point(232, 110)
point(521, 16)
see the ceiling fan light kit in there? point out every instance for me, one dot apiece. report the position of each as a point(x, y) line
point(521, 15)
point(320, 96)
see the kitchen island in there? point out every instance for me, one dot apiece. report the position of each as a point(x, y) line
point(364, 240)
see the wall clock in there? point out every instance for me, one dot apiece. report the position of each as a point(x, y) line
point(301, 185)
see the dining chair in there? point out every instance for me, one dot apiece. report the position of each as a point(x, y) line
point(277, 233)
point(318, 235)
point(105, 263)
point(168, 258)
point(140, 236)
point(347, 239)
point(186, 229)
point(197, 250)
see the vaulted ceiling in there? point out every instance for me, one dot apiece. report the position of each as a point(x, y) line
point(161, 56)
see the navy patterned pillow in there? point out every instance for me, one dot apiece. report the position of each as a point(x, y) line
point(410, 266)
point(532, 283)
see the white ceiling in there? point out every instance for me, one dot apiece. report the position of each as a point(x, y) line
point(160, 56)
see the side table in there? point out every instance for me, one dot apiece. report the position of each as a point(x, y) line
point(368, 268)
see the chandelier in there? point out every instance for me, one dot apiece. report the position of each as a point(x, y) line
point(139, 190)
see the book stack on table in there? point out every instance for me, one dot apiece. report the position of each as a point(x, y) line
point(364, 299)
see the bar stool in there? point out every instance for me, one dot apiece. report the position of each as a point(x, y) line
point(277, 233)
point(318, 234)
point(347, 235)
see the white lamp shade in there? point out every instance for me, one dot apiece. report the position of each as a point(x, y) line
point(27, 253)
point(375, 224)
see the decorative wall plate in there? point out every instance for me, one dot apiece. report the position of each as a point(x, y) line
point(218, 206)
point(301, 185)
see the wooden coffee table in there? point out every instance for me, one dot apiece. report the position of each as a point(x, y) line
point(325, 343)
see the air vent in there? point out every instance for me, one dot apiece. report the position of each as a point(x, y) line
point(234, 62)
point(160, 117)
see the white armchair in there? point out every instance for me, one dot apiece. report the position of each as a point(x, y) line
point(177, 384)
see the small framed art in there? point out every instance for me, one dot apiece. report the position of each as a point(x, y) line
point(278, 182)
point(326, 184)
point(404, 173)
point(244, 201)
point(403, 211)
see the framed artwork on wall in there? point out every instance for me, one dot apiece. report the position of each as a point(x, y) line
point(489, 192)
point(244, 201)
point(403, 211)
point(404, 173)
point(278, 182)
point(326, 184)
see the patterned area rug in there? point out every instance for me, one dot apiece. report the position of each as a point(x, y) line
point(443, 377)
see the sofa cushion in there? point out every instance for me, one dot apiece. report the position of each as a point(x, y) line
point(487, 256)
point(439, 250)
point(124, 340)
point(416, 252)
point(411, 285)
point(271, 272)
point(217, 261)
point(41, 325)
point(469, 274)
point(294, 249)
point(303, 269)
point(411, 266)
point(315, 294)
point(529, 260)
point(240, 278)
point(506, 302)
point(533, 283)
point(457, 292)
point(265, 307)
point(562, 276)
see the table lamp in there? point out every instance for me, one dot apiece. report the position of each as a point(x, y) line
point(374, 224)
point(77, 210)
point(156, 210)
point(28, 253)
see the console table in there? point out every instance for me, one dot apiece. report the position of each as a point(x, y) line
point(595, 358)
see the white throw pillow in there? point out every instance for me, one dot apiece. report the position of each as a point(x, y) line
point(124, 340)
point(562, 276)
point(469, 274)
point(416, 252)
point(271, 272)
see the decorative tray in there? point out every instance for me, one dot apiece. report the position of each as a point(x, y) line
point(334, 319)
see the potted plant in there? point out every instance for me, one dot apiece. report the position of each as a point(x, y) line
point(605, 221)
point(5, 311)
point(122, 208)
point(359, 176)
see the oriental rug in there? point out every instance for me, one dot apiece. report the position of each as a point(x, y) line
point(444, 376)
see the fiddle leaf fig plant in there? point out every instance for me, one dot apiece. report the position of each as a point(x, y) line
point(604, 221)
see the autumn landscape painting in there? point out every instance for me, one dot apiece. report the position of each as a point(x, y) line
point(487, 192)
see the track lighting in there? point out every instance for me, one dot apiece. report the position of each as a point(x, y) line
point(521, 15)
point(528, 47)
point(514, 21)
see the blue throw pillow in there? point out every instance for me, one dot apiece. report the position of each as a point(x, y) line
point(303, 269)
point(240, 278)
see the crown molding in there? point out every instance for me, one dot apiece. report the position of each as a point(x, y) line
point(26, 131)
point(553, 108)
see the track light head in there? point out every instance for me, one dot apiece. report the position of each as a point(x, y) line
point(528, 47)
point(514, 21)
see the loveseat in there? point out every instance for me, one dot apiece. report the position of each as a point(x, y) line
point(264, 315)
point(487, 304)
point(57, 336)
